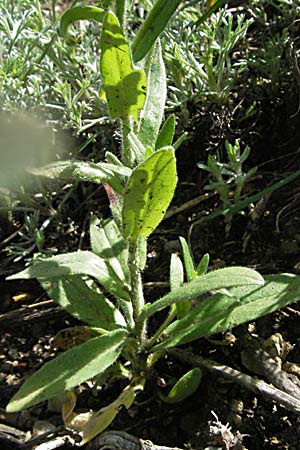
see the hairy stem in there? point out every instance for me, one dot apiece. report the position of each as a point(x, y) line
point(137, 295)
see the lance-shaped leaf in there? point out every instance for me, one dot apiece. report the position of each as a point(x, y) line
point(184, 387)
point(188, 260)
point(152, 27)
point(83, 300)
point(76, 263)
point(218, 279)
point(176, 281)
point(69, 369)
point(112, 174)
point(148, 194)
point(125, 87)
point(137, 147)
point(153, 111)
point(108, 243)
point(79, 13)
point(166, 134)
point(242, 304)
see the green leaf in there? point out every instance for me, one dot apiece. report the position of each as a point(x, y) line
point(152, 27)
point(79, 13)
point(137, 147)
point(176, 281)
point(184, 387)
point(121, 7)
point(125, 87)
point(188, 260)
point(111, 174)
point(176, 272)
point(243, 304)
point(76, 263)
point(69, 369)
point(203, 265)
point(166, 134)
point(218, 279)
point(83, 300)
point(153, 111)
point(180, 140)
point(108, 243)
point(148, 194)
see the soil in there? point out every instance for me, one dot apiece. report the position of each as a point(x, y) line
point(270, 244)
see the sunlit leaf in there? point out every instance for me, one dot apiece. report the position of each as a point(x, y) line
point(152, 114)
point(218, 279)
point(148, 194)
point(125, 87)
point(112, 174)
point(222, 312)
point(75, 263)
point(152, 27)
point(79, 13)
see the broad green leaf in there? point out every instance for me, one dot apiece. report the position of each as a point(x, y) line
point(83, 300)
point(166, 134)
point(242, 304)
point(108, 243)
point(152, 114)
point(69, 369)
point(111, 174)
point(218, 279)
point(188, 260)
point(184, 387)
point(152, 27)
point(79, 13)
point(148, 193)
point(125, 87)
point(76, 263)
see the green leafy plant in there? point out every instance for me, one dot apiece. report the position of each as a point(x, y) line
point(229, 178)
point(103, 287)
point(201, 64)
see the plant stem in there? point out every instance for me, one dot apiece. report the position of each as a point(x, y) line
point(149, 343)
point(137, 295)
point(127, 156)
